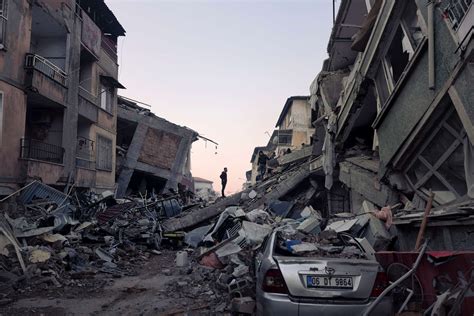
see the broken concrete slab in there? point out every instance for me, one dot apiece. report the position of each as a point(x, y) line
point(376, 233)
point(342, 225)
point(312, 222)
point(196, 216)
point(254, 233)
point(39, 255)
point(243, 305)
point(281, 208)
point(364, 182)
point(228, 249)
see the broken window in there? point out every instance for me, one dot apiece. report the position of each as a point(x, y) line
point(411, 24)
point(398, 55)
point(3, 22)
point(402, 48)
point(1, 117)
point(104, 153)
point(106, 97)
point(439, 165)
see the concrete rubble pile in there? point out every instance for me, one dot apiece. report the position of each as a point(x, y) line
point(48, 238)
point(225, 244)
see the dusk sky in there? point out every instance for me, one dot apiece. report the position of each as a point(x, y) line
point(221, 68)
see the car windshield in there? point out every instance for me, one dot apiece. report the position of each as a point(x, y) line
point(326, 244)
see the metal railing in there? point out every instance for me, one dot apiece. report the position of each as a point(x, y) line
point(88, 95)
point(46, 67)
point(109, 47)
point(35, 149)
point(456, 10)
point(3, 30)
point(85, 153)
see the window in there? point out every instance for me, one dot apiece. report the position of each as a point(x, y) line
point(402, 48)
point(1, 117)
point(397, 56)
point(381, 85)
point(104, 153)
point(455, 10)
point(106, 97)
point(439, 165)
point(3, 22)
point(285, 137)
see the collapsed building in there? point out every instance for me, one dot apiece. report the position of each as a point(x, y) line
point(58, 93)
point(153, 153)
point(396, 114)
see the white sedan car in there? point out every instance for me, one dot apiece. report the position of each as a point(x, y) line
point(288, 284)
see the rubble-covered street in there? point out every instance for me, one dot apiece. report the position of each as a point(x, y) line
point(358, 201)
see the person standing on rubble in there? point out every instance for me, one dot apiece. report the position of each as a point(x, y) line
point(262, 164)
point(223, 177)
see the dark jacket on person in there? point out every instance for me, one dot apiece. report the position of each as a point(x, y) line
point(223, 177)
point(262, 159)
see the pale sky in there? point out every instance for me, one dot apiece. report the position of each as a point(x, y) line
point(221, 68)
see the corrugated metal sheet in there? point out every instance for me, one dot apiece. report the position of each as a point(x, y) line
point(40, 190)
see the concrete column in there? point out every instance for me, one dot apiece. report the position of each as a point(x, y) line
point(71, 112)
point(131, 159)
point(178, 166)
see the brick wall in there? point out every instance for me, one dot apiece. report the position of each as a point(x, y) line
point(159, 149)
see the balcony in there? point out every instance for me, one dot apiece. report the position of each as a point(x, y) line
point(46, 67)
point(85, 153)
point(37, 150)
point(46, 79)
point(87, 106)
point(109, 47)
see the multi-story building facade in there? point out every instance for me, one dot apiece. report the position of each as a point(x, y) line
point(294, 127)
point(58, 93)
point(396, 102)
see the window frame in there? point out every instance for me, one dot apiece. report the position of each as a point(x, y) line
point(106, 94)
point(454, 23)
point(101, 150)
point(411, 50)
point(433, 169)
point(2, 111)
point(3, 22)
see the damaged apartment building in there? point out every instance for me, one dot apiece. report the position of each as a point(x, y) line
point(153, 154)
point(58, 93)
point(396, 115)
point(293, 132)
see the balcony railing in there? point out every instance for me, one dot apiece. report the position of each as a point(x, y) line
point(456, 10)
point(34, 149)
point(46, 67)
point(109, 47)
point(88, 95)
point(85, 153)
point(3, 30)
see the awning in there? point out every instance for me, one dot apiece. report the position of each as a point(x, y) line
point(113, 82)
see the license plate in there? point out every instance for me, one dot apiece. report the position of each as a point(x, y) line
point(333, 282)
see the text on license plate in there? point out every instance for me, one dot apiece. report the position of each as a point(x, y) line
point(329, 282)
